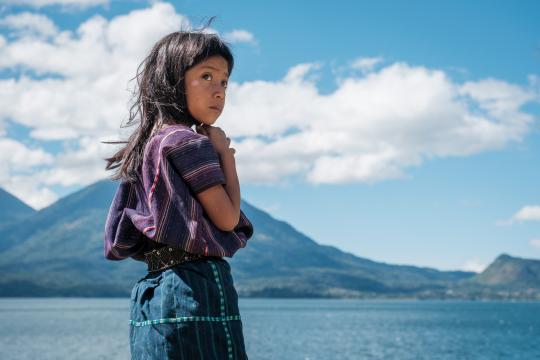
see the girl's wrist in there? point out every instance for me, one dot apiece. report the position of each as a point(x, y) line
point(226, 154)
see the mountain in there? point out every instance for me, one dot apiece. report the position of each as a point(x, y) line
point(12, 209)
point(510, 272)
point(280, 261)
point(506, 278)
point(58, 251)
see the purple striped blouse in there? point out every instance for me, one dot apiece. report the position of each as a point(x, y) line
point(161, 209)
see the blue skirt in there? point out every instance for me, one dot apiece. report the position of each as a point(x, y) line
point(189, 311)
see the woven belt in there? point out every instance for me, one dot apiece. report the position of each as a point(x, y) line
point(167, 257)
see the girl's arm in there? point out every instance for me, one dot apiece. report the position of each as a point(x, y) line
point(222, 202)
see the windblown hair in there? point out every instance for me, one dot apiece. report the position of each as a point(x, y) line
point(160, 96)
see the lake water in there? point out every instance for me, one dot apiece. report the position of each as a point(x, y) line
point(97, 328)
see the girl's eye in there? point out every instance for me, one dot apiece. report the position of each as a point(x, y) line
point(209, 77)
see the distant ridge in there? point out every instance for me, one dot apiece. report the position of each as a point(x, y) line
point(510, 273)
point(58, 251)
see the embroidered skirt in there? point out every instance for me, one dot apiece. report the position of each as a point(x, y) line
point(189, 311)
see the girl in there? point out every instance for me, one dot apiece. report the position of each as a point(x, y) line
point(178, 205)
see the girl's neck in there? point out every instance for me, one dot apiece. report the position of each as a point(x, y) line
point(167, 124)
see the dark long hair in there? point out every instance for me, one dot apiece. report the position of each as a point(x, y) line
point(160, 96)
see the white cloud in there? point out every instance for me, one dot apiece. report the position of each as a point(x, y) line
point(88, 95)
point(535, 243)
point(239, 36)
point(16, 154)
point(86, 99)
point(534, 81)
point(82, 165)
point(366, 64)
point(527, 213)
point(28, 24)
point(474, 265)
point(66, 3)
point(18, 164)
point(30, 190)
point(371, 128)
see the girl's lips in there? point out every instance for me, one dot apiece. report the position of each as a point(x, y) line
point(215, 108)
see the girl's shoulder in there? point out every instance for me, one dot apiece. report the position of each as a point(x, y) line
point(173, 135)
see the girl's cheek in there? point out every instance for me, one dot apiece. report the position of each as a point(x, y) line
point(195, 83)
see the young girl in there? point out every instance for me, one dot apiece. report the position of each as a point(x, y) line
point(177, 206)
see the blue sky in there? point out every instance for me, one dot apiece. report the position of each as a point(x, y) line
point(405, 132)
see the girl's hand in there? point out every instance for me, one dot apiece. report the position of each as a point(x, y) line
point(218, 138)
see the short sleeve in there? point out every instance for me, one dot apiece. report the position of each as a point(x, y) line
point(197, 163)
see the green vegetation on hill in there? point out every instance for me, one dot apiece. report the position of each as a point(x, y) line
point(12, 209)
point(58, 251)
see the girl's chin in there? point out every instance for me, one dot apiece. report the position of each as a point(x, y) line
point(208, 121)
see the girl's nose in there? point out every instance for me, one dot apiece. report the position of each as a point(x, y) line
point(219, 92)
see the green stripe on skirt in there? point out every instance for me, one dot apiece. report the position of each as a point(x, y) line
point(189, 311)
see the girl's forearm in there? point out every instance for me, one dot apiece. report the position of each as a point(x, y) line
point(228, 165)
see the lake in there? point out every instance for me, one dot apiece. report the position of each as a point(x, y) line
point(97, 328)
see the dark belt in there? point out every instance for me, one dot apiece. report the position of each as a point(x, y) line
point(167, 257)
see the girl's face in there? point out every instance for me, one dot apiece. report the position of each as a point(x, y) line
point(205, 85)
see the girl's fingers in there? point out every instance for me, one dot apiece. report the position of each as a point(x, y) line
point(215, 131)
point(201, 130)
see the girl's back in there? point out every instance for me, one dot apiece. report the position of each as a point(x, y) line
point(162, 206)
point(177, 206)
